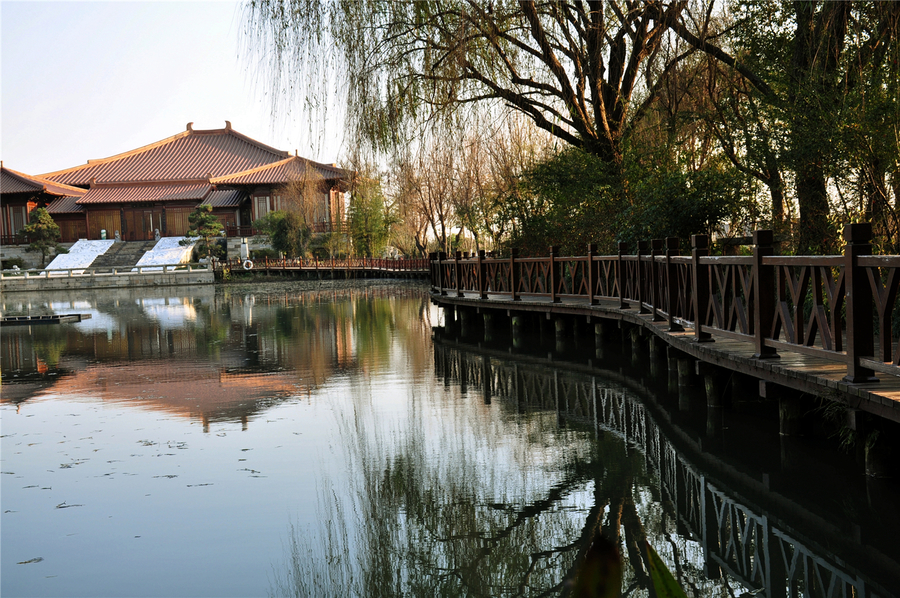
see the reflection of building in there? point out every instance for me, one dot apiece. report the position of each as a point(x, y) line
point(181, 355)
point(157, 186)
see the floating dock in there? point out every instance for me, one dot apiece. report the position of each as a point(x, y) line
point(33, 320)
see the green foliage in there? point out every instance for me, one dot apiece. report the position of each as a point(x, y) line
point(204, 225)
point(574, 199)
point(11, 262)
point(264, 254)
point(370, 221)
point(569, 200)
point(287, 232)
point(680, 203)
point(327, 245)
point(664, 584)
point(42, 234)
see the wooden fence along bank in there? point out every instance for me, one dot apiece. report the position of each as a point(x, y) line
point(821, 325)
point(362, 267)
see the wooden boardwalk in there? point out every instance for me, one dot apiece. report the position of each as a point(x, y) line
point(812, 374)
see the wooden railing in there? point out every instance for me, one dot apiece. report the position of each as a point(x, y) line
point(353, 263)
point(839, 307)
point(12, 240)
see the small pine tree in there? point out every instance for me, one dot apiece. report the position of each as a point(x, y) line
point(206, 226)
point(42, 234)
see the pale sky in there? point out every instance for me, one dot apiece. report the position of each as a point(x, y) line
point(86, 80)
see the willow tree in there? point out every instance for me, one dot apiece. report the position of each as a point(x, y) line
point(575, 68)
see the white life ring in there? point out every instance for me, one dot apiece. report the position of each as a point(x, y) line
point(248, 265)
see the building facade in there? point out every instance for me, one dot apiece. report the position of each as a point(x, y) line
point(151, 190)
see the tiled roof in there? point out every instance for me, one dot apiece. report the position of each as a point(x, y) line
point(227, 198)
point(189, 155)
point(65, 205)
point(142, 193)
point(294, 168)
point(12, 181)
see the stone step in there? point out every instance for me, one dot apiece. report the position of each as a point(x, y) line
point(122, 255)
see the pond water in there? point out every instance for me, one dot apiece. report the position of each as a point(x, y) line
point(339, 439)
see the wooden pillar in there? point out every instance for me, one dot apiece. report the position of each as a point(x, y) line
point(441, 258)
point(763, 293)
point(592, 273)
point(554, 274)
point(790, 407)
point(620, 276)
point(700, 286)
point(672, 250)
point(860, 330)
point(642, 276)
point(488, 326)
point(449, 317)
point(465, 321)
point(482, 274)
point(656, 250)
point(513, 274)
point(456, 272)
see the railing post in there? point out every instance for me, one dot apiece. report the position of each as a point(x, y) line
point(643, 246)
point(860, 330)
point(656, 249)
point(554, 249)
point(513, 274)
point(700, 286)
point(441, 257)
point(620, 276)
point(459, 290)
point(592, 279)
point(482, 274)
point(672, 244)
point(763, 293)
point(435, 270)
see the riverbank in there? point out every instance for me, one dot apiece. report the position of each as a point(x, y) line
point(106, 278)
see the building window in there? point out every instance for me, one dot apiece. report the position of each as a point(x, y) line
point(261, 205)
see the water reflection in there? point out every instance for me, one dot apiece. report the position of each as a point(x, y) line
point(375, 455)
point(721, 528)
point(471, 506)
point(215, 356)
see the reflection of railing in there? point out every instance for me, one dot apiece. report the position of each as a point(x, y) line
point(816, 305)
point(734, 537)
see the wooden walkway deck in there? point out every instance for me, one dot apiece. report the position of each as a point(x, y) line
point(805, 373)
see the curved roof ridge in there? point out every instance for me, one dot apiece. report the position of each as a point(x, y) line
point(43, 184)
point(143, 148)
point(246, 138)
point(317, 166)
point(189, 132)
point(254, 170)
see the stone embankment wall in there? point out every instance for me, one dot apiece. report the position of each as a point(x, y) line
point(105, 281)
point(31, 259)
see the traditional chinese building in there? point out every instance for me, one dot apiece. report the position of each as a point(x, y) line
point(155, 187)
point(21, 193)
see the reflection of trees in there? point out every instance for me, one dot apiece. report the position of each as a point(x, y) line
point(469, 503)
